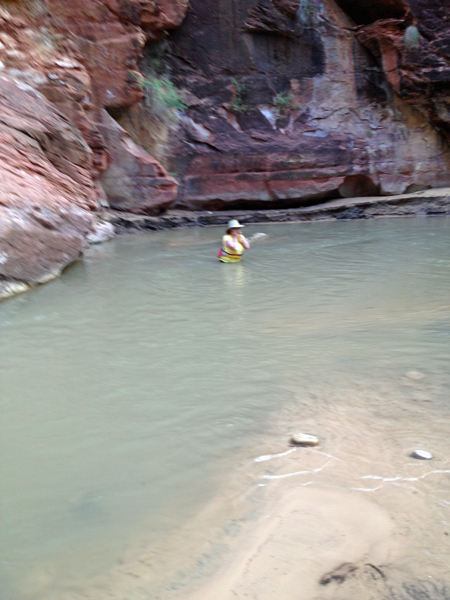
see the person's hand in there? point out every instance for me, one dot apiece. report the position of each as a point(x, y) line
point(244, 241)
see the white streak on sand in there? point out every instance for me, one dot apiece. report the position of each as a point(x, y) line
point(297, 472)
point(397, 481)
point(270, 456)
point(286, 475)
point(403, 485)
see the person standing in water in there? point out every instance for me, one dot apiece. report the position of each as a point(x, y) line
point(233, 243)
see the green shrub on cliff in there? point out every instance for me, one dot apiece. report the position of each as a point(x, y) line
point(161, 93)
point(284, 101)
point(237, 104)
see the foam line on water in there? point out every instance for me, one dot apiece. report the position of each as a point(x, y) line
point(297, 472)
point(271, 456)
point(397, 481)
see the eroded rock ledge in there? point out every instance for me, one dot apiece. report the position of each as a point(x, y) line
point(419, 204)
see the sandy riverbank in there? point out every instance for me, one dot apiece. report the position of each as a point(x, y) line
point(358, 519)
point(311, 538)
point(355, 519)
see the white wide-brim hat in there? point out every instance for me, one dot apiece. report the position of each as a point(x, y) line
point(234, 224)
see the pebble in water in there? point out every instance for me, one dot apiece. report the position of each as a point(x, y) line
point(304, 439)
point(415, 375)
point(422, 454)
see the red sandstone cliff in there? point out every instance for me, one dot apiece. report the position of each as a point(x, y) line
point(294, 101)
point(46, 192)
point(62, 63)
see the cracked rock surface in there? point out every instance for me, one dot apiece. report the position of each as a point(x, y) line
point(46, 196)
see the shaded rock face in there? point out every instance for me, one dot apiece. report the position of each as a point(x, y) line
point(364, 12)
point(263, 44)
point(135, 181)
point(110, 36)
point(411, 40)
point(250, 40)
point(46, 193)
point(289, 104)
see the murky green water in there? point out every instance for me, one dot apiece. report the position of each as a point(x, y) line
point(131, 388)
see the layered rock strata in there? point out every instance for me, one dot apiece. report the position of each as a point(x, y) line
point(411, 42)
point(292, 102)
point(46, 193)
point(61, 63)
point(109, 36)
point(82, 56)
point(418, 204)
point(135, 181)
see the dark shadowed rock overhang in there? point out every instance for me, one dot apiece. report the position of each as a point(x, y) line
point(286, 101)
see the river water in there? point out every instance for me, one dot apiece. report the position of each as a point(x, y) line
point(137, 389)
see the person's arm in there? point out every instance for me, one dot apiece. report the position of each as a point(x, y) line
point(244, 241)
point(230, 243)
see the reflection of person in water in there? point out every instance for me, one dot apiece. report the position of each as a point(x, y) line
point(233, 243)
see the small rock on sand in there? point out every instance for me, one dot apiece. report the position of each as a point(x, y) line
point(422, 454)
point(304, 439)
point(415, 375)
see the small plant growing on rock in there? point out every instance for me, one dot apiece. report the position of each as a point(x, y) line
point(160, 92)
point(284, 102)
point(411, 38)
point(237, 104)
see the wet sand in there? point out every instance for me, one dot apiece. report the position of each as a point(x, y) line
point(355, 519)
point(307, 535)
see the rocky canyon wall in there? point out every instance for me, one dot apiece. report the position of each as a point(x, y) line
point(295, 101)
point(62, 64)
